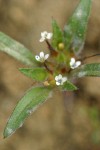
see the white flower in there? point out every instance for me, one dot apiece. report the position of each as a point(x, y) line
point(42, 57)
point(74, 64)
point(45, 35)
point(60, 80)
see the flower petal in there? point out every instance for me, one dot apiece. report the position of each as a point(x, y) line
point(59, 76)
point(64, 79)
point(57, 83)
point(37, 58)
point(44, 34)
point(41, 54)
point(42, 39)
point(49, 35)
point(46, 56)
point(72, 61)
point(56, 78)
point(78, 63)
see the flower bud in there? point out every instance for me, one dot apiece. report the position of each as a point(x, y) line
point(61, 46)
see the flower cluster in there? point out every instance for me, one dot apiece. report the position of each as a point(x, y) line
point(74, 64)
point(59, 79)
point(45, 35)
point(42, 57)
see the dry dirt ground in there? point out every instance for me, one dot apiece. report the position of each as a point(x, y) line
point(60, 124)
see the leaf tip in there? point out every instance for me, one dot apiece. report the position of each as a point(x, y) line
point(8, 132)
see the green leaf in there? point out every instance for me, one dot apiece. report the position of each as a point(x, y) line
point(57, 34)
point(87, 70)
point(16, 50)
point(29, 103)
point(75, 30)
point(38, 74)
point(61, 58)
point(68, 86)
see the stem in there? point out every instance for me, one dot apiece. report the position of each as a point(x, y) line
point(52, 50)
point(84, 58)
point(47, 68)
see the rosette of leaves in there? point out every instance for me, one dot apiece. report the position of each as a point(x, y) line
point(64, 44)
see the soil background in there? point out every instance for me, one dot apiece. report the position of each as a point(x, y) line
point(71, 122)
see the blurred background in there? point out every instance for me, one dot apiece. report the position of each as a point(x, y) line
point(69, 122)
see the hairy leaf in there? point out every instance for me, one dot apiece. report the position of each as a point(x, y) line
point(68, 86)
point(87, 70)
point(29, 103)
point(75, 30)
point(37, 74)
point(16, 50)
point(57, 34)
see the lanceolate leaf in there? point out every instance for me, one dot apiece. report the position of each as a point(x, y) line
point(75, 30)
point(87, 70)
point(57, 34)
point(68, 86)
point(29, 103)
point(37, 74)
point(16, 50)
